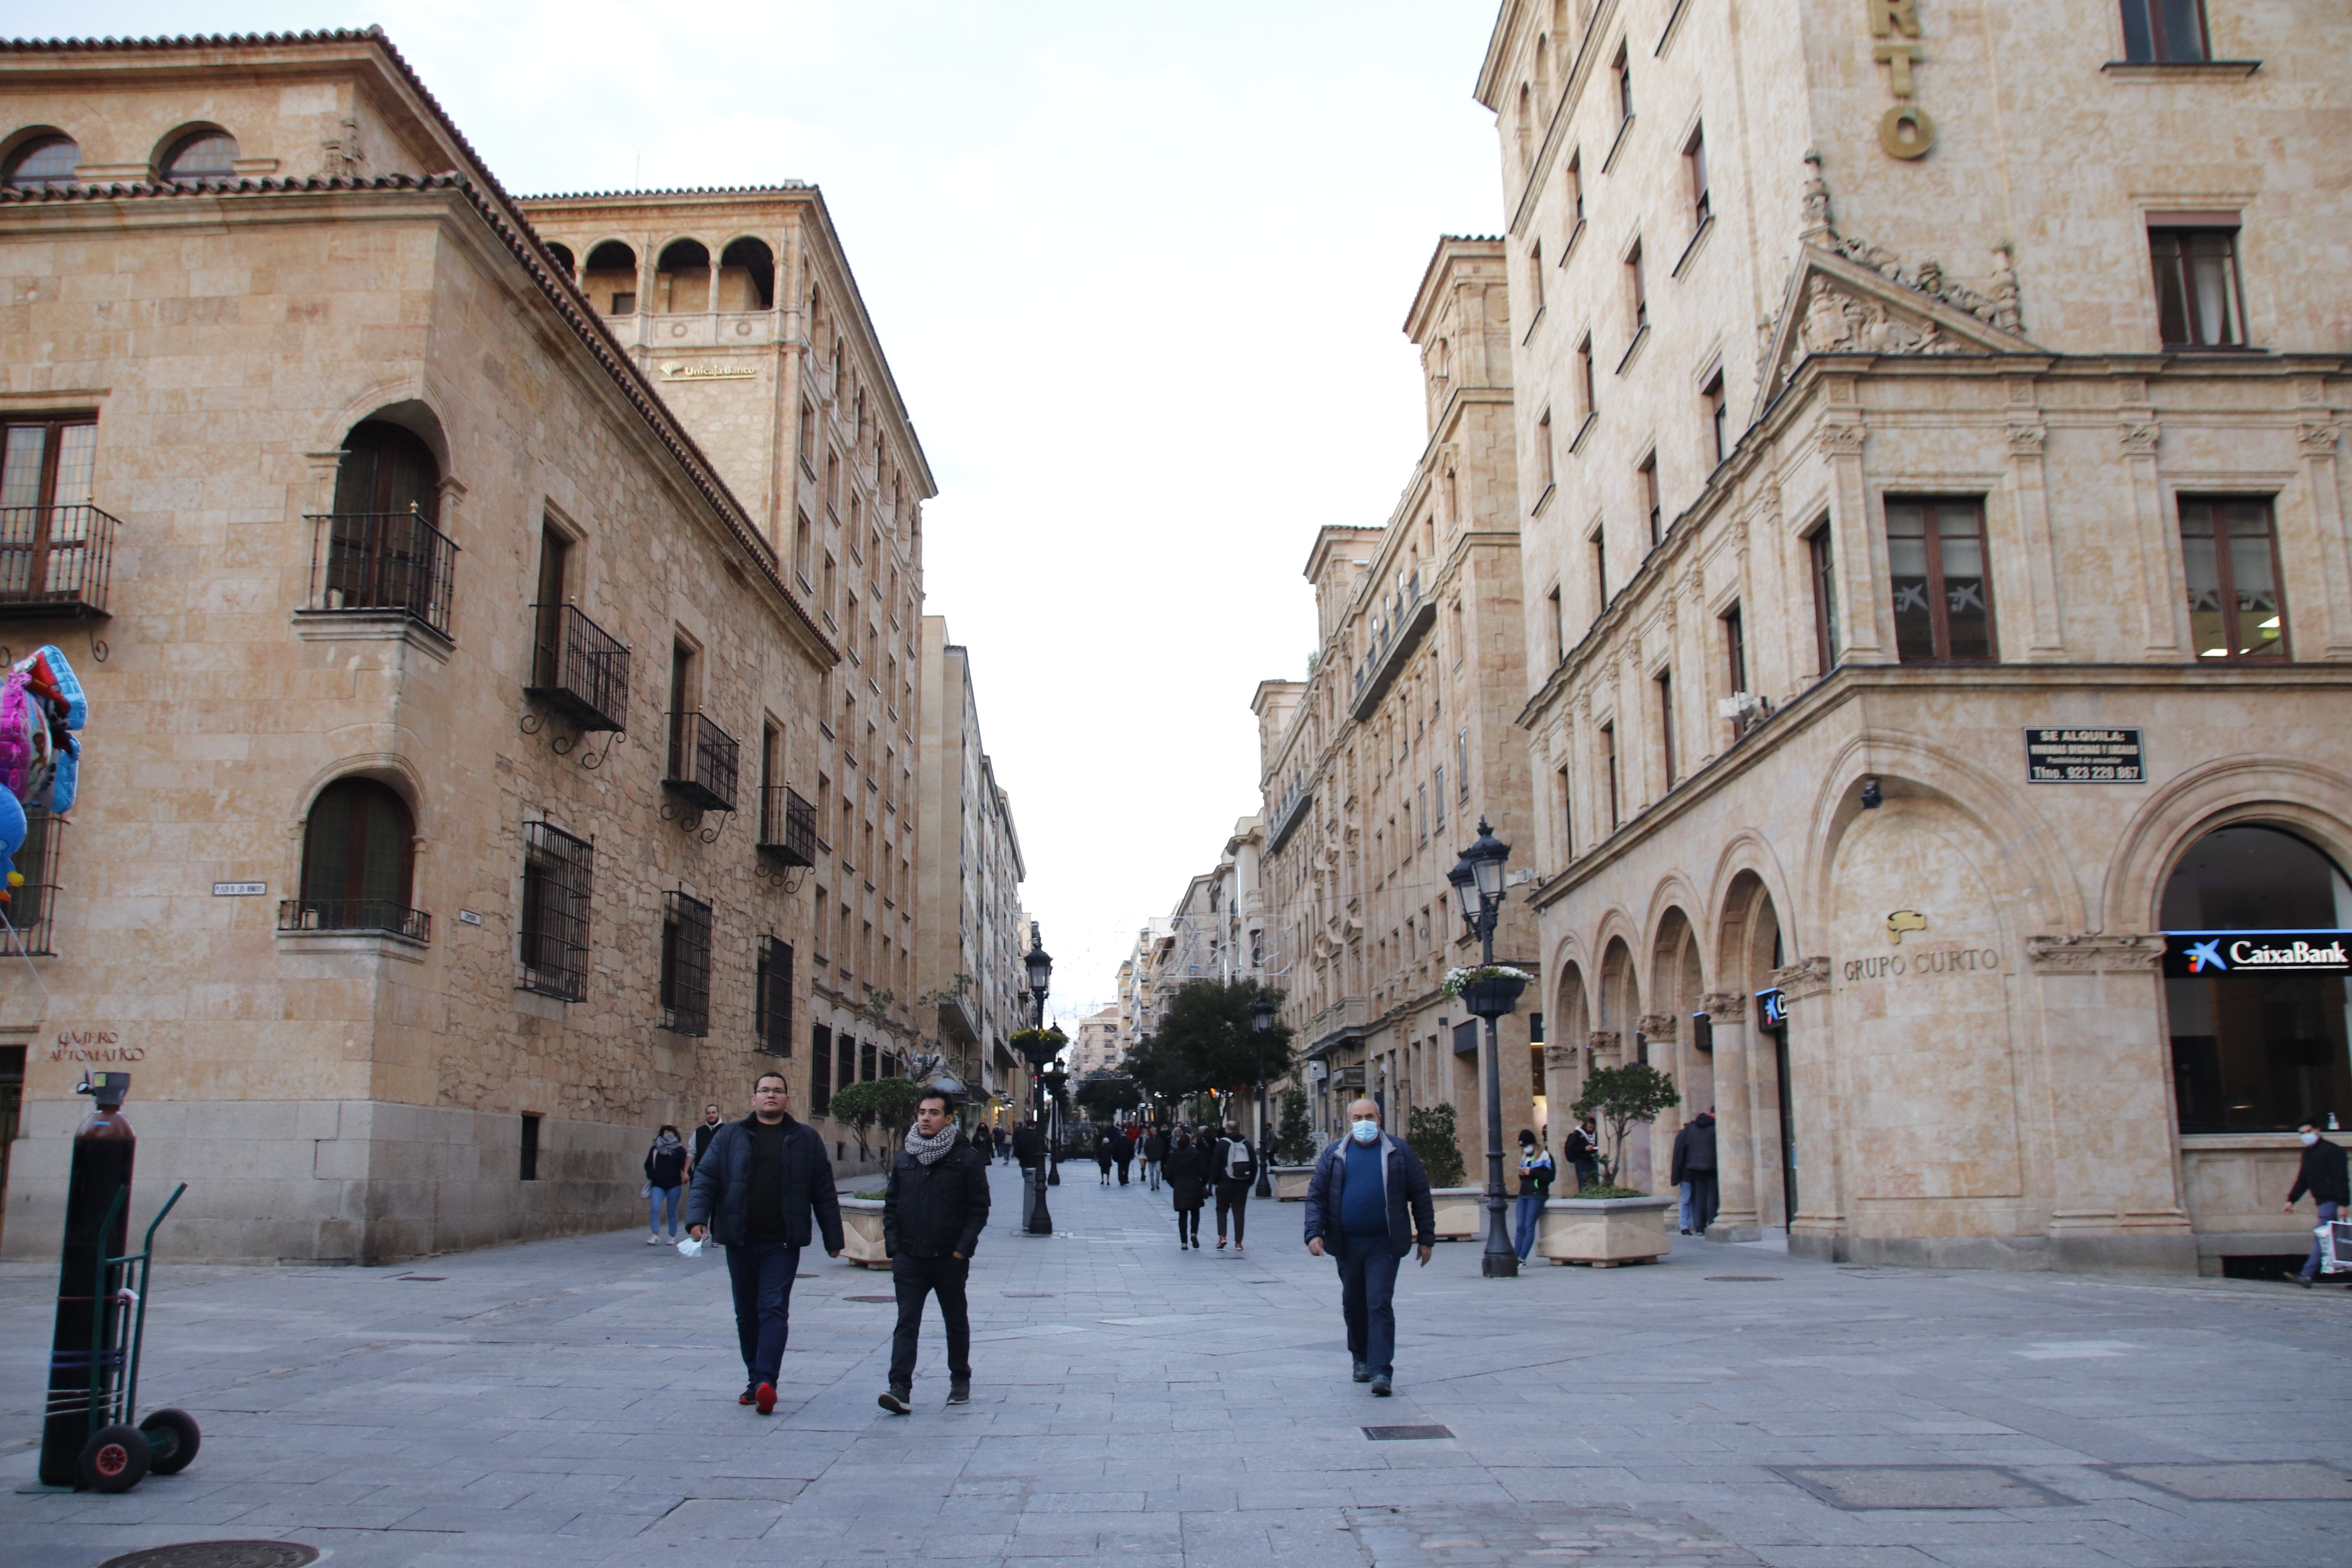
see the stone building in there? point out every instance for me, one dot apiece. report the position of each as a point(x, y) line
point(458, 726)
point(1377, 767)
point(739, 305)
point(1097, 1047)
point(1934, 533)
point(971, 938)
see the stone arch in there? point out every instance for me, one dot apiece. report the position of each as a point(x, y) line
point(199, 149)
point(1746, 867)
point(747, 274)
point(610, 276)
point(2273, 791)
point(682, 277)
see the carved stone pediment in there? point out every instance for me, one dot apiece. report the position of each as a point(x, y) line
point(1806, 977)
point(1846, 296)
point(1724, 1007)
point(2095, 953)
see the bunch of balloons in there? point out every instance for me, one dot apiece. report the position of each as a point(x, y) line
point(42, 711)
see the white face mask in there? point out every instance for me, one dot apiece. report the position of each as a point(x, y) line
point(1366, 1131)
point(2310, 1138)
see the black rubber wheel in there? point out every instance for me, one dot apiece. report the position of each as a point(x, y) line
point(172, 1440)
point(114, 1459)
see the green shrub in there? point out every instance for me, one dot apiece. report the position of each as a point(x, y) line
point(1294, 1141)
point(1429, 1131)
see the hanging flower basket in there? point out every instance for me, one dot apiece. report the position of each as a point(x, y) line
point(1490, 991)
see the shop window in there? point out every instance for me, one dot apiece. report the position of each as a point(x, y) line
point(1943, 593)
point(358, 864)
point(685, 984)
point(2257, 1051)
point(2230, 552)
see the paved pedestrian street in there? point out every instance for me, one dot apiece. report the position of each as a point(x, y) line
point(574, 1402)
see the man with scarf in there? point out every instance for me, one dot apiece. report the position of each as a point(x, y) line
point(932, 1213)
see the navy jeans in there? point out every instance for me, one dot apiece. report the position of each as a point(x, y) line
point(1368, 1272)
point(2327, 1212)
point(761, 1273)
point(1530, 1215)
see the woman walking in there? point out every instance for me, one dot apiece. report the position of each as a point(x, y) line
point(1188, 1176)
point(665, 1172)
point(1536, 1172)
point(1103, 1136)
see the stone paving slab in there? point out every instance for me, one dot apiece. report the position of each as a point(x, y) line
point(572, 1402)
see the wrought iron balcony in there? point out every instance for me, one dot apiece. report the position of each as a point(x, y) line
point(55, 561)
point(379, 560)
point(1289, 813)
point(579, 669)
point(787, 826)
point(1404, 615)
point(354, 915)
point(702, 763)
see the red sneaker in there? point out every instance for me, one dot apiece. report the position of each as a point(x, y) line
point(765, 1398)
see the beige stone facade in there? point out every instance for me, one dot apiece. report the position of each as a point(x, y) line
point(387, 881)
point(1884, 374)
point(971, 938)
point(1377, 768)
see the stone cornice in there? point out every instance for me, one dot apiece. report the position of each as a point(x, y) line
point(2095, 953)
point(1806, 977)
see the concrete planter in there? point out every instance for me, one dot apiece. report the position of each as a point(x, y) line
point(1605, 1232)
point(1290, 1183)
point(1461, 1211)
point(861, 1233)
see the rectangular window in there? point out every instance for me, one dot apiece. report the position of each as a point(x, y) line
point(1943, 593)
point(54, 547)
point(1462, 766)
point(1608, 766)
point(1735, 648)
point(1575, 178)
point(1637, 290)
point(1422, 818)
point(2165, 31)
point(1600, 543)
point(1534, 275)
point(820, 1070)
point(557, 874)
point(808, 438)
point(804, 552)
point(685, 964)
point(1695, 167)
point(1648, 473)
point(771, 997)
point(1622, 70)
point(1666, 724)
point(2197, 305)
point(1718, 418)
point(2231, 551)
point(1564, 803)
point(868, 1063)
point(844, 1062)
point(1559, 626)
point(1826, 646)
point(1586, 387)
point(1543, 447)
point(33, 908)
point(554, 569)
point(1441, 800)
point(529, 1172)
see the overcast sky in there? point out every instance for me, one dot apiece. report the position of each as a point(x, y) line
point(1139, 271)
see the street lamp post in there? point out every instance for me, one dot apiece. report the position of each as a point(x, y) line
point(1477, 880)
point(1260, 1020)
point(1040, 971)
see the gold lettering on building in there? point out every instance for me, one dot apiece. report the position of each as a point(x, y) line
point(1906, 131)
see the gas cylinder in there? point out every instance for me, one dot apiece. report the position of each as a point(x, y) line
point(103, 1148)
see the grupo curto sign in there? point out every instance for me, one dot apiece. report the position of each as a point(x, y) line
point(94, 1045)
point(1927, 961)
point(2209, 952)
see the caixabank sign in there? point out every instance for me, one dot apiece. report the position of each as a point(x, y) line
point(2207, 953)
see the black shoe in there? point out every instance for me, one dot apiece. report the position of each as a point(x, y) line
point(959, 1391)
point(2302, 1281)
point(1196, 1244)
point(750, 1391)
point(896, 1400)
point(1380, 1389)
point(1364, 1372)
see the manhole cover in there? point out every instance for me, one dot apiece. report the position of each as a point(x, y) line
point(1860, 1487)
point(869, 1298)
point(219, 1554)
point(1746, 1278)
point(1406, 1433)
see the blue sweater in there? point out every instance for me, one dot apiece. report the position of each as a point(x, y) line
point(1364, 1203)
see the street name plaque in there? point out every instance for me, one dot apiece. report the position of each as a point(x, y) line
point(2083, 756)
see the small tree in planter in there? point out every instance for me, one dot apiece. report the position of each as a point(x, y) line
point(1294, 1141)
point(889, 1102)
point(1620, 1097)
point(1429, 1132)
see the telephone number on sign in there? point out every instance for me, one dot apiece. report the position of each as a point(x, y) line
point(2072, 773)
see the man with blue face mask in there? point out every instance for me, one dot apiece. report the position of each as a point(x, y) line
point(1367, 1204)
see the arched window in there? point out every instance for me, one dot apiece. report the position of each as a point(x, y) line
point(562, 254)
point(682, 278)
point(2256, 1005)
point(43, 162)
point(359, 861)
point(746, 275)
point(387, 468)
point(610, 278)
point(381, 549)
point(202, 154)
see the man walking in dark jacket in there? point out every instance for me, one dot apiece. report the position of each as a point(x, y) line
point(1367, 1204)
point(754, 1193)
point(711, 1122)
point(1694, 1164)
point(2323, 1175)
point(932, 1213)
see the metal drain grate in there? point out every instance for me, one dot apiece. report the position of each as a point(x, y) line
point(1406, 1433)
point(219, 1554)
point(869, 1298)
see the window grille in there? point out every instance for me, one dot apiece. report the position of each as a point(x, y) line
point(820, 1070)
point(557, 874)
point(685, 964)
point(772, 997)
point(31, 910)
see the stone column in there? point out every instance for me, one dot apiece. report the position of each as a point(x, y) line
point(1734, 1119)
point(2316, 436)
point(1860, 558)
point(2045, 638)
point(2138, 435)
point(1818, 1229)
point(1656, 1029)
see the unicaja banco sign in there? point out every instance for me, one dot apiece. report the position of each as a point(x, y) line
point(2201, 953)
